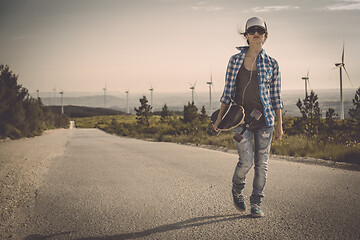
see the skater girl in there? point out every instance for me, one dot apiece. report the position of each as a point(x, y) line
point(253, 81)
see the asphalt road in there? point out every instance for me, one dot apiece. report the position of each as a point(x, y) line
point(108, 187)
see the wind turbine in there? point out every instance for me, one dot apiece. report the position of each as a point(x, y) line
point(54, 89)
point(341, 66)
point(210, 85)
point(307, 81)
point(192, 87)
point(104, 95)
point(62, 106)
point(151, 94)
point(127, 101)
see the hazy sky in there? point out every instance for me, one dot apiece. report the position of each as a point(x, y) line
point(79, 45)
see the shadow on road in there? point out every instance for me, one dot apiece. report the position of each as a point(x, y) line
point(194, 222)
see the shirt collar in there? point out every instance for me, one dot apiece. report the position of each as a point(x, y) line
point(244, 49)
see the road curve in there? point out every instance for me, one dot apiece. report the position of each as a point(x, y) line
point(108, 187)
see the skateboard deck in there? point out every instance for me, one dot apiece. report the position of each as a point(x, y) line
point(233, 117)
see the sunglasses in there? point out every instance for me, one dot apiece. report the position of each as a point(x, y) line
point(252, 30)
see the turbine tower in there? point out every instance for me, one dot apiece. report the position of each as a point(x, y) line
point(307, 81)
point(341, 66)
point(104, 95)
point(151, 99)
point(54, 89)
point(62, 106)
point(192, 87)
point(127, 101)
point(210, 85)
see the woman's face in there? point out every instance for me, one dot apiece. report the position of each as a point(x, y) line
point(256, 35)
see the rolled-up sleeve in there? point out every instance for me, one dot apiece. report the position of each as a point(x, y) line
point(275, 88)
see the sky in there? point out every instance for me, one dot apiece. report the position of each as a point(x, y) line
point(83, 45)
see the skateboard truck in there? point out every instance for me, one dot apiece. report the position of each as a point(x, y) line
point(255, 114)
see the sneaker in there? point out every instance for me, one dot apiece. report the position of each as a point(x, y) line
point(256, 211)
point(239, 201)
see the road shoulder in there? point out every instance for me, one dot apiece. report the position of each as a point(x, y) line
point(23, 165)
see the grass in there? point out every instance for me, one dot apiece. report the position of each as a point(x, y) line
point(303, 146)
point(174, 130)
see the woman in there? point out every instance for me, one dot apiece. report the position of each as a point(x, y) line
point(253, 81)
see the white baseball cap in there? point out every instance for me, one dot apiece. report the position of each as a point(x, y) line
point(255, 21)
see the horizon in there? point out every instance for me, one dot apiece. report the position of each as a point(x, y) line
point(108, 93)
point(176, 101)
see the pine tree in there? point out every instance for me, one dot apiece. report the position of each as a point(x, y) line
point(330, 120)
point(12, 113)
point(203, 115)
point(190, 113)
point(143, 113)
point(355, 112)
point(331, 115)
point(20, 114)
point(309, 107)
point(165, 113)
point(311, 112)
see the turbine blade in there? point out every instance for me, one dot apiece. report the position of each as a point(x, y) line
point(348, 76)
point(307, 75)
point(309, 83)
point(342, 57)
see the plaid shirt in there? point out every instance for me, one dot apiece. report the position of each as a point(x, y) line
point(269, 83)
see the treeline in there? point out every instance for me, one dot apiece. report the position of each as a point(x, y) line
point(310, 135)
point(193, 122)
point(20, 114)
point(190, 125)
point(330, 128)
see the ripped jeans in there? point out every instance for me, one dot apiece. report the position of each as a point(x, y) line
point(248, 156)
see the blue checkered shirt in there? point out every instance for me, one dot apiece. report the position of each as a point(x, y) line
point(269, 83)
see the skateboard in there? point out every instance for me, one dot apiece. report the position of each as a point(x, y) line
point(233, 117)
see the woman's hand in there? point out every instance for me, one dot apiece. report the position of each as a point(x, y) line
point(216, 124)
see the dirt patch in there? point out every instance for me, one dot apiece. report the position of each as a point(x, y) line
point(23, 165)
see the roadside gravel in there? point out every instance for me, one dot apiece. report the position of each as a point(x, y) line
point(23, 164)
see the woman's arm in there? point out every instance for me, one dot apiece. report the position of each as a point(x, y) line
point(278, 128)
point(222, 111)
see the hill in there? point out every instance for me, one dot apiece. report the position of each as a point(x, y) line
point(81, 111)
